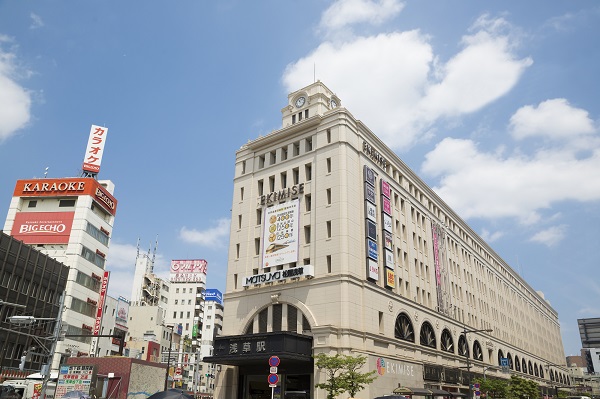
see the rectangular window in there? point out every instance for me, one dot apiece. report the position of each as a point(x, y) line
point(243, 167)
point(257, 246)
point(239, 221)
point(260, 187)
point(308, 202)
point(32, 204)
point(296, 175)
point(92, 257)
point(261, 162)
point(98, 234)
point(328, 191)
point(299, 116)
point(307, 234)
point(308, 144)
point(328, 263)
point(272, 183)
point(328, 165)
point(237, 251)
point(66, 203)
point(329, 229)
point(308, 172)
point(293, 119)
point(305, 114)
point(283, 178)
point(283, 153)
point(241, 193)
point(328, 135)
point(296, 148)
point(273, 157)
point(258, 216)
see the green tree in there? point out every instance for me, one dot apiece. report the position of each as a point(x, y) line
point(521, 388)
point(493, 388)
point(343, 374)
point(333, 367)
point(354, 380)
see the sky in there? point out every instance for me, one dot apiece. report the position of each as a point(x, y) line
point(493, 104)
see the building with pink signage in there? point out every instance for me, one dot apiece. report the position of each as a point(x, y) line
point(337, 247)
point(71, 220)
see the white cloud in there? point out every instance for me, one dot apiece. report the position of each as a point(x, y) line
point(15, 101)
point(344, 13)
point(398, 74)
point(36, 21)
point(555, 119)
point(491, 237)
point(550, 236)
point(216, 236)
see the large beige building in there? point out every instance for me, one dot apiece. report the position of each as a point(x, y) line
point(336, 246)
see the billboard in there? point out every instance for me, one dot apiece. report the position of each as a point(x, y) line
point(122, 311)
point(95, 149)
point(188, 271)
point(280, 234)
point(103, 291)
point(67, 187)
point(43, 227)
point(214, 295)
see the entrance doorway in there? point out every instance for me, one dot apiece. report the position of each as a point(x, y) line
point(290, 386)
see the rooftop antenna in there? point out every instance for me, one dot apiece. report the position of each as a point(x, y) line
point(46, 172)
point(155, 247)
point(138, 248)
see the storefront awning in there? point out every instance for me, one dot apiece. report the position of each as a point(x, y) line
point(458, 394)
point(439, 392)
point(412, 391)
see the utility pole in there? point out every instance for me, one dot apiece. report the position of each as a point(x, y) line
point(55, 338)
point(467, 355)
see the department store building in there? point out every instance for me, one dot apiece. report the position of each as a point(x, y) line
point(336, 246)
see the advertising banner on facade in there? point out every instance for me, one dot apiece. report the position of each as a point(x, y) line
point(67, 187)
point(214, 295)
point(122, 311)
point(280, 234)
point(43, 227)
point(188, 271)
point(95, 149)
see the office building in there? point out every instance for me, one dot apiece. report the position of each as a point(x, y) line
point(31, 284)
point(336, 246)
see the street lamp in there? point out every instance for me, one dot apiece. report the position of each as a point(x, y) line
point(169, 359)
point(465, 332)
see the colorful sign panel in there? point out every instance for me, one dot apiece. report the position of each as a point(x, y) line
point(372, 249)
point(389, 258)
point(43, 227)
point(370, 193)
point(280, 234)
point(371, 230)
point(188, 271)
point(307, 271)
point(387, 240)
point(369, 175)
point(75, 378)
point(213, 295)
point(390, 278)
point(387, 222)
point(95, 149)
point(371, 211)
point(122, 311)
point(101, 299)
point(386, 205)
point(68, 187)
point(385, 189)
point(372, 269)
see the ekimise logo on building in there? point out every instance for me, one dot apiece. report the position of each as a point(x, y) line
point(43, 227)
point(380, 366)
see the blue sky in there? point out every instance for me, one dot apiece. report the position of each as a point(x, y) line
point(493, 104)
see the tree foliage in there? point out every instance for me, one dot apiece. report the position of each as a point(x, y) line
point(521, 388)
point(493, 388)
point(343, 374)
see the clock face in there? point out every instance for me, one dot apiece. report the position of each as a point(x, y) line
point(333, 103)
point(300, 102)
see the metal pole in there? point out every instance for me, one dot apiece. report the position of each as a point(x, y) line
point(169, 359)
point(56, 336)
point(468, 361)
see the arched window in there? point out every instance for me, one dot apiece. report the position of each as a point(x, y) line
point(541, 372)
point(428, 335)
point(530, 368)
point(463, 348)
point(500, 356)
point(447, 344)
point(404, 329)
point(524, 366)
point(278, 323)
point(477, 352)
point(535, 370)
point(551, 375)
point(517, 364)
point(510, 361)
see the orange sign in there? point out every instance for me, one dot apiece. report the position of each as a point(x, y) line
point(390, 278)
point(72, 186)
point(43, 227)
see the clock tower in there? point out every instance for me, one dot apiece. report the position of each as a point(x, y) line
point(315, 99)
